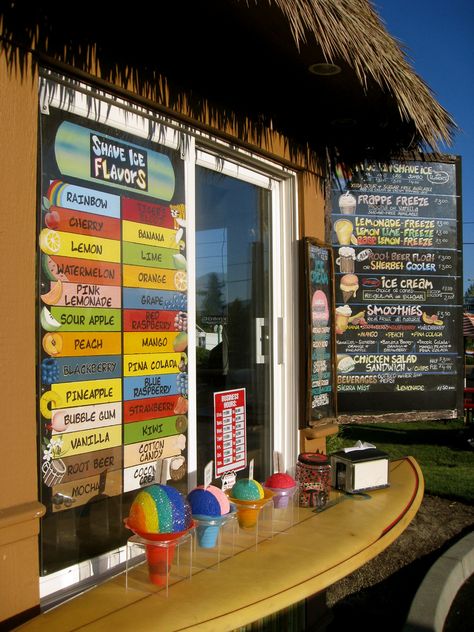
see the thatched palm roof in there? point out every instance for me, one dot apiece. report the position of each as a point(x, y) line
point(245, 63)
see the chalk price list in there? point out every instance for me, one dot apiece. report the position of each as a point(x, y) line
point(397, 281)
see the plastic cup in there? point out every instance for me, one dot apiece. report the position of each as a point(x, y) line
point(207, 535)
point(159, 560)
point(249, 510)
point(282, 496)
point(159, 550)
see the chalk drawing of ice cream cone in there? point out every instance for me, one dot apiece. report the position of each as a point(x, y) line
point(349, 285)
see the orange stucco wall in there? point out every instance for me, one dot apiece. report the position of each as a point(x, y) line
point(19, 509)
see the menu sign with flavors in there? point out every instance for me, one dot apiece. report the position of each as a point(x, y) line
point(396, 242)
point(319, 323)
point(112, 311)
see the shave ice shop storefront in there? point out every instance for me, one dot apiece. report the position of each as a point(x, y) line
point(164, 313)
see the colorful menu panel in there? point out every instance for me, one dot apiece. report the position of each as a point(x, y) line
point(112, 312)
point(155, 341)
point(396, 241)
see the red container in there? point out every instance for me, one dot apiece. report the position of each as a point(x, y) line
point(313, 476)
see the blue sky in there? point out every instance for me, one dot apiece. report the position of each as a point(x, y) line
point(439, 41)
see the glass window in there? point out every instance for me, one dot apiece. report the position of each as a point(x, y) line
point(233, 308)
point(123, 209)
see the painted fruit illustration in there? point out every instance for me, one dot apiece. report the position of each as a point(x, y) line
point(58, 422)
point(52, 344)
point(54, 294)
point(49, 241)
point(51, 269)
point(181, 341)
point(181, 280)
point(48, 322)
point(179, 261)
point(51, 219)
point(431, 320)
point(181, 407)
point(181, 423)
point(48, 402)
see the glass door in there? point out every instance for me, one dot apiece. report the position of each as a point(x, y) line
point(233, 304)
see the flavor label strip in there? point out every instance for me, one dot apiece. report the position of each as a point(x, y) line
point(137, 254)
point(54, 242)
point(149, 451)
point(86, 418)
point(93, 392)
point(153, 342)
point(82, 491)
point(87, 319)
point(150, 320)
point(147, 213)
point(76, 222)
point(88, 343)
point(83, 199)
point(90, 440)
point(83, 295)
point(140, 298)
point(91, 464)
point(156, 278)
point(151, 429)
point(76, 271)
point(150, 386)
point(149, 235)
point(54, 370)
point(146, 364)
point(152, 408)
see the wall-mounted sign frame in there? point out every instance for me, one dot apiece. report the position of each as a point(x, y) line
point(318, 352)
point(112, 318)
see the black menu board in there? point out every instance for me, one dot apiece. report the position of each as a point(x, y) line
point(396, 240)
point(319, 382)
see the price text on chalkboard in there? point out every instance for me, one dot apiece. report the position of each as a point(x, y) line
point(396, 240)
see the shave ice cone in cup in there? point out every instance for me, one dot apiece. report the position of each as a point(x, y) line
point(347, 203)
point(160, 515)
point(283, 487)
point(344, 229)
point(343, 313)
point(346, 259)
point(210, 507)
point(249, 497)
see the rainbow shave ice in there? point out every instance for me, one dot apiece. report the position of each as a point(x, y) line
point(159, 509)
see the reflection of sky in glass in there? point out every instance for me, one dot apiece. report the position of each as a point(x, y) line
point(227, 224)
point(211, 252)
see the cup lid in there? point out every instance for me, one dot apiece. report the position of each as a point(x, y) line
point(313, 458)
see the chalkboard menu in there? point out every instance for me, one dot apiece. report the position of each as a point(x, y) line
point(396, 239)
point(319, 385)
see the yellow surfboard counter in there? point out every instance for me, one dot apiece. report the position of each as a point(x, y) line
point(318, 550)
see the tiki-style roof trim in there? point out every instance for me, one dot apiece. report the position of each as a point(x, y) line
point(244, 64)
point(351, 30)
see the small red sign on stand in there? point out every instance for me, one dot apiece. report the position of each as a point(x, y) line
point(230, 431)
